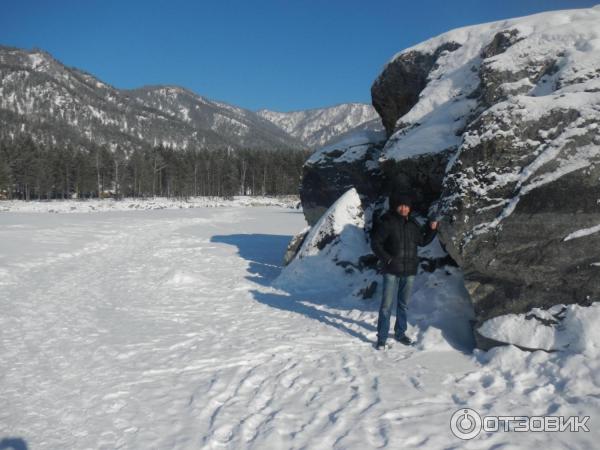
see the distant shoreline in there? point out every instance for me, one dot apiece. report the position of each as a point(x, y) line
point(150, 203)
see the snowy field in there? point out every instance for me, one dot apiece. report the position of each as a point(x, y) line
point(159, 329)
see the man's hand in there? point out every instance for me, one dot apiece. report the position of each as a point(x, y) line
point(433, 225)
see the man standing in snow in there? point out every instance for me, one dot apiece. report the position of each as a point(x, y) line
point(394, 240)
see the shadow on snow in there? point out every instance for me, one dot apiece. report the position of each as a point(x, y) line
point(264, 252)
point(12, 444)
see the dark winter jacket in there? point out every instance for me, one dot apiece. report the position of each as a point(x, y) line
point(394, 240)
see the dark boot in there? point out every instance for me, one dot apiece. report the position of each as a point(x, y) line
point(404, 339)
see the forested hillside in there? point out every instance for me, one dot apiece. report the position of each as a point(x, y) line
point(34, 171)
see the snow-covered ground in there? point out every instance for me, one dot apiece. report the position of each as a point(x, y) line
point(128, 204)
point(160, 329)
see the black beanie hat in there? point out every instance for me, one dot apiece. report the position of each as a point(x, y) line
point(400, 198)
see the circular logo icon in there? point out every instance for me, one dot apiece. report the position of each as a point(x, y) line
point(465, 423)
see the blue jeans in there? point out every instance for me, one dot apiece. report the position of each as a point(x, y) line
point(399, 288)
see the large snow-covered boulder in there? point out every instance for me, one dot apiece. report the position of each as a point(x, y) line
point(515, 107)
point(496, 128)
point(521, 196)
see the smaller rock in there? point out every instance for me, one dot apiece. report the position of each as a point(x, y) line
point(334, 252)
point(294, 245)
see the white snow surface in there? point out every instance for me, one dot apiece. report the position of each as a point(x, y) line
point(161, 329)
point(581, 233)
point(569, 37)
point(569, 328)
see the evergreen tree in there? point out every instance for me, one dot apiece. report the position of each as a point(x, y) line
point(31, 171)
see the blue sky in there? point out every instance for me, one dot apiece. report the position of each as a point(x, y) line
point(278, 54)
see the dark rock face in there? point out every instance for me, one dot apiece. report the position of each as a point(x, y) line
point(512, 213)
point(496, 84)
point(422, 175)
point(500, 43)
point(330, 173)
point(397, 89)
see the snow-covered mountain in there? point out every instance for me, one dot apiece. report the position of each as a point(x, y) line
point(55, 104)
point(319, 127)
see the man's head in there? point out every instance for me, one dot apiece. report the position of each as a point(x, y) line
point(403, 210)
point(401, 203)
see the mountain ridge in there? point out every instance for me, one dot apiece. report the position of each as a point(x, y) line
point(58, 104)
point(319, 127)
